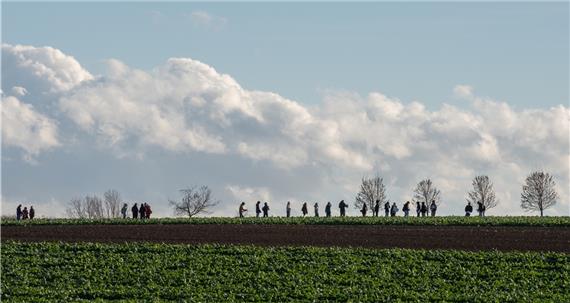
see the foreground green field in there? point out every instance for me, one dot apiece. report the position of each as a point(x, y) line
point(54, 272)
point(450, 220)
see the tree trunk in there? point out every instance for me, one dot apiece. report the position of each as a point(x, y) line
point(541, 212)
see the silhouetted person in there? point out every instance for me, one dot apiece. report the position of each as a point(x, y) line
point(418, 208)
point(135, 211)
point(257, 209)
point(25, 213)
point(433, 208)
point(406, 208)
point(376, 208)
point(316, 206)
point(328, 209)
point(304, 209)
point(142, 211)
point(468, 209)
point(265, 210)
point(342, 207)
point(394, 210)
point(32, 212)
point(424, 209)
point(19, 212)
point(124, 210)
point(288, 209)
point(484, 209)
point(242, 209)
point(387, 208)
point(147, 210)
point(480, 209)
point(364, 209)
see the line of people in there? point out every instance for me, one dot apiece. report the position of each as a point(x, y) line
point(25, 214)
point(142, 212)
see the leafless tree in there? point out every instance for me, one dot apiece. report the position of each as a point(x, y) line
point(371, 189)
point(426, 192)
point(483, 192)
point(76, 209)
point(94, 206)
point(194, 201)
point(538, 192)
point(112, 203)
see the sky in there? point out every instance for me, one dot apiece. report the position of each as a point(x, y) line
point(281, 101)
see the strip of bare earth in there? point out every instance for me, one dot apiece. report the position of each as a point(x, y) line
point(473, 238)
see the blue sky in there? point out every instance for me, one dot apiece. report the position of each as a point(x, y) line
point(516, 52)
point(281, 101)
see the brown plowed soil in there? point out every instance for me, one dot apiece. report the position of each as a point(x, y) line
point(502, 238)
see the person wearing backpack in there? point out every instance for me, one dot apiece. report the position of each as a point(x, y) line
point(433, 208)
point(394, 210)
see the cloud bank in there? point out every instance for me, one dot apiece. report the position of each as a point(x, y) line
point(187, 107)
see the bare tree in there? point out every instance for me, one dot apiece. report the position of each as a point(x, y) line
point(426, 192)
point(94, 206)
point(76, 209)
point(538, 192)
point(194, 201)
point(483, 192)
point(371, 189)
point(112, 203)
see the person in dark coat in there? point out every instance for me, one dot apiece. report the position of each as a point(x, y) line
point(242, 209)
point(142, 211)
point(424, 209)
point(25, 213)
point(418, 208)
point(124, 210)
point(468, 209)
point(342, 207)
point(433, 208)
point(328, 209)
point(304, 209)
point(32, 212)
point(406, 208)
point(288, 209)
point(147, 210)
point(364, 209)
point(480, 209)
point(19, 212)
point(387, 208)
point(394, 210)
point(376, 208)
point(265, 210)
point(135, 210)
point(257, 209)
point(316, 207)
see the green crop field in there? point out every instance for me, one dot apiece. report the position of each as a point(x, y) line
point(451, 220)
point(53, 272)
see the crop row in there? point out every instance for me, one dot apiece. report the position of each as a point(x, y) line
point(450, 220)
point(55, 272)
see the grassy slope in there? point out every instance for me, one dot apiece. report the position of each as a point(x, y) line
point(65, 272)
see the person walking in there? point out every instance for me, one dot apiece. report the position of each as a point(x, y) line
point(394, 210)
point(124, 210)
point(433, 208)
point(480, 208)
point(288, 209)
point(406, 208)
point(142, 211)
point(257, 209)
point(304, 209)
point(468, 209)
point(147, 210)
point(32, 212)
point(387, 208)
point(342, 207)
point(135, 211)
point(364, 209)
point(316, 206)
point(242, 209)
point(328, 209)
point(25, 213)
point(265, 210)
point(376, 208)
point(424, 209)
point(19, 212)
